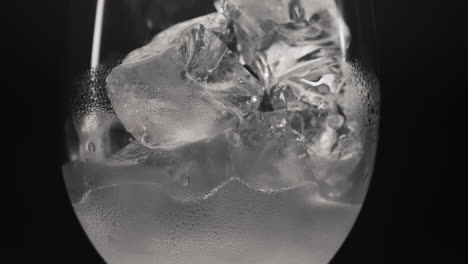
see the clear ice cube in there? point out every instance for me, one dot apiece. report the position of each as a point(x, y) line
point(281, 38)
point(332, 119)
point(268, 153)
point(214, 22)
point(338, 127)
point(184, 87)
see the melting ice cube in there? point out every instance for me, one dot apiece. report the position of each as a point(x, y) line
point(213, 22)
point(184, 87)
point(283, 37)
point(268, 152)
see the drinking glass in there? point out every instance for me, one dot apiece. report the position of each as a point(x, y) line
point(188, 204)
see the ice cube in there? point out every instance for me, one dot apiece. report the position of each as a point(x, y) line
point(332, 118)
point(320, 115)
point(280, 38)
point(213, 22)
point(268, 152)
point(338, 127)
point(184, 87)
point(284, 148)
point(281, 149)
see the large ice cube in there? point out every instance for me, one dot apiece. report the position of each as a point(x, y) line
point(184, 87)
point(213, 22)
point(282, 37)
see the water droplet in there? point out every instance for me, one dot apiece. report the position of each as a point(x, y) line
point(149, 23)
point(254, 99)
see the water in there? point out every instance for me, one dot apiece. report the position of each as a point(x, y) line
point(234, 223)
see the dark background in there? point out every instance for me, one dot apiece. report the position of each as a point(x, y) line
point(418, 49)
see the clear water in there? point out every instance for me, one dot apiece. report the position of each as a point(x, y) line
point(234, 223)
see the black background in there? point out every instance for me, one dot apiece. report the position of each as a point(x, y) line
point(418, 45)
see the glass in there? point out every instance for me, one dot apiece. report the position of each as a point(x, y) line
point(263, 191)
